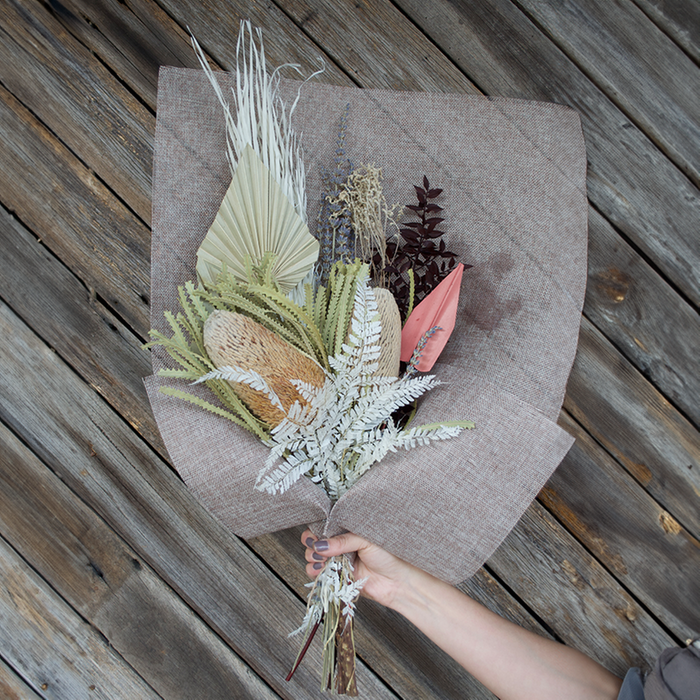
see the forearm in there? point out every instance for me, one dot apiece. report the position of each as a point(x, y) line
point(513, 663)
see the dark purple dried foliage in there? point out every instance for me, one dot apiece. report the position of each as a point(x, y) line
point(421, 249)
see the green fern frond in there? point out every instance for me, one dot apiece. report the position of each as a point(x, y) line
point(309, 302)
point(334, 289)
point(320, 308)
point(297, 317)
point(271, 309)
point(189, 321)
point(338, 303)
point(199, 307)
point(176, 329)
point(343, 313)
point(194, 362)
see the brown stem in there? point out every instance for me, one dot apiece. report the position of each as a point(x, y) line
point(345, 658)
point(303, 651)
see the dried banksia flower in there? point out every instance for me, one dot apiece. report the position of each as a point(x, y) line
point(234, 340)
point(390, 337)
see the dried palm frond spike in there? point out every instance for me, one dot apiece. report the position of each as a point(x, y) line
point(390, 337)
point(264, 209)
point(234, 340)
point(257, 116)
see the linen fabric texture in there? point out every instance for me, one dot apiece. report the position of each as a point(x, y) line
point(513, 177)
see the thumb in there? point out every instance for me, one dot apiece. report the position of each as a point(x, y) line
point(340, 544)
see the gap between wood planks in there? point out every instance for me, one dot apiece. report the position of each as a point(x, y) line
point(680, 20)
point(173, 12)
point(629, 346)
point(13, 685)
point(643, 72)
point(95, 573)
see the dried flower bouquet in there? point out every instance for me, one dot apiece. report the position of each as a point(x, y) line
point(305, 354)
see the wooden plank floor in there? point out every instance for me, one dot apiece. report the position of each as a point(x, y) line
point(114, 582)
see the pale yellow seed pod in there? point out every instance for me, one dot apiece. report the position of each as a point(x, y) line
point(390, 337)
point(234, 340)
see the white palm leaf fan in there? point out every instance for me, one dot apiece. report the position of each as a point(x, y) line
point(264, 208)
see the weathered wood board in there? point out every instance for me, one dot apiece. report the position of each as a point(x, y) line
point(104, 581)
point(47, 642)
point(647, 75)
point(630, 181)
point(13, 687)
point(101, 459)
point(72, 212)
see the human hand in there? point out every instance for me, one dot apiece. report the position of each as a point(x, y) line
point(386, 574)
point(475, 637)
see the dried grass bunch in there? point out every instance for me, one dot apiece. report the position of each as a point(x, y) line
point(361, 199)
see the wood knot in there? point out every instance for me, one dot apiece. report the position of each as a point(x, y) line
point(614, 284)
point(669, 524)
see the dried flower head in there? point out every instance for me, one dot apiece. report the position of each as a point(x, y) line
point(236, 342)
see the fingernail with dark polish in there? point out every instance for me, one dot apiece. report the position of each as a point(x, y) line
point(318, 565)
point(310, 542)
point(318, 557)
point(321, 546)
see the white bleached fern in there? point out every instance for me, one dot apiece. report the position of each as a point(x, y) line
point(347, 426)
point(244, 376)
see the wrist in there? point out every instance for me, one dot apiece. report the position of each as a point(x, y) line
point(417, 594)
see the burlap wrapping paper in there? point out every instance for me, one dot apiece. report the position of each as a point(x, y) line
point(513, 174)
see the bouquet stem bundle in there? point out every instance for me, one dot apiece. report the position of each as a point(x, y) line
point(332, 603)
point(331, 433)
